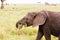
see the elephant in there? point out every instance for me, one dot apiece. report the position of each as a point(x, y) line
point(48, 23)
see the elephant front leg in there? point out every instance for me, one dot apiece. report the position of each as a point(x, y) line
point(40, 34)
point(59, 37)
point(47, 33)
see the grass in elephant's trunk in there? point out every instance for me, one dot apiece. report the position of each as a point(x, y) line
point(20, 26)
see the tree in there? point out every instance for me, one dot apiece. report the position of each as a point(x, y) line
point(46, 3)
point(2, 4)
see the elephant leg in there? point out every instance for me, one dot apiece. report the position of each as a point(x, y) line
point(47, 33)
point(59, 37)
point(40, 33)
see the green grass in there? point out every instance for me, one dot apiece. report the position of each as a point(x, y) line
point(11, 14)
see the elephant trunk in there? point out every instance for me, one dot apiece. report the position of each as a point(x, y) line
point(20, 24)
point(17, 25)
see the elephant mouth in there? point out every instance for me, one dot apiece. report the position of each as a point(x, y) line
point(20, 26)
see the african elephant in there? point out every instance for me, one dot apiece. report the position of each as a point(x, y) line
point(48, 22)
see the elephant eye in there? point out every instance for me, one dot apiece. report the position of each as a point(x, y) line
point(27, 19)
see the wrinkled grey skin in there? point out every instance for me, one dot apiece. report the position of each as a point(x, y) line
point(48, 22)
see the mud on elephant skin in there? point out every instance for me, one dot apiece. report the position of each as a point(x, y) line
point(48, 22)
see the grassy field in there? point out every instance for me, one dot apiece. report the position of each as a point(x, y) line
point(12, 13)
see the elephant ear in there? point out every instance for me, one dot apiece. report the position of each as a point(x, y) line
point(40, 19)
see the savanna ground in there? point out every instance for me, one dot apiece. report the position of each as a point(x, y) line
point(12, 13)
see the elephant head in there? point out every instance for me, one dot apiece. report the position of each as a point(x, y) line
point(32, 19)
